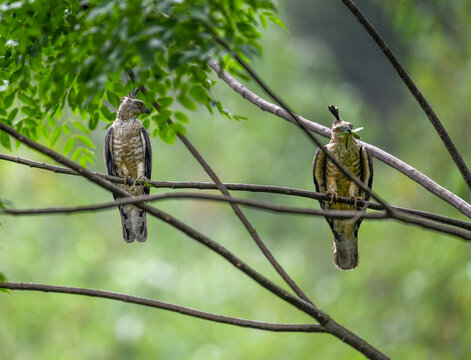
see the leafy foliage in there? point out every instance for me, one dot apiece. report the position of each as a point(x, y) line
point(3, 279)
point(69, 54)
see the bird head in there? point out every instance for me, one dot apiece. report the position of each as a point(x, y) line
point(131, 107)
point(342, 130)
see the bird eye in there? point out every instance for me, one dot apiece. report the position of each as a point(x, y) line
point(139, 105)
point(337, 130)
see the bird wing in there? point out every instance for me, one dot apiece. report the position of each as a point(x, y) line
point(318, 171)
point(366, 171)
point(318, 174)
point(147, 156)
point(109, 163)
point(366, 175)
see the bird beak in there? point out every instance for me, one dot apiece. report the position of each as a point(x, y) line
point(146, 110)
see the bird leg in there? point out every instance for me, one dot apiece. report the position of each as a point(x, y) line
point(332, 189)
point(353, 190)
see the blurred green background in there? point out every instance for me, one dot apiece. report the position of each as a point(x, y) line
point(410, 296)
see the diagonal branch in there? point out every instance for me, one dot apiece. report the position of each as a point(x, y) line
point(442, 133)
point(330, 325)
point(376, 152)
point(242, 187)
point(306, 131)
point(253, 233)
point(165, 306)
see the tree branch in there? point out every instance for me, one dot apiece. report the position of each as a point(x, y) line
point(306, 131)
point(442, 133)
point(376, 152)
point(242, 187)
point(327, 323)
point(253, 233)
point(165, 306)
point(343, 214)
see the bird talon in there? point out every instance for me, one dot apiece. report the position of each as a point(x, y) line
point(355, 199)
point(143, 180)
point(333, 194)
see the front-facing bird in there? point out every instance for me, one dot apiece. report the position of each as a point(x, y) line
point(128, 154)
point(329, 179)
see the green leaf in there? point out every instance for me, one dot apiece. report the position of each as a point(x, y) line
point(45, 131)
point(12, 115)
point(66, 129)
point(84, 160)
point(93, 121)
point(29, 111)
point(55, 136)
point(107, 113)
point(186, 102)
point(165, 102)
point(199, 94)
point(76, 154)
point(263, 20)
point(178, 128)
point(8, 100)
point(113, 98)
point(3, 278)
point(81, 127)
point(51, 120)
point(181, 117)
point(69, 145)
point(86, 141)
point(27, 100)
point(5, 140)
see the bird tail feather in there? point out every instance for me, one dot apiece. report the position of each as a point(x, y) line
point(134, 223)
point(346, 256)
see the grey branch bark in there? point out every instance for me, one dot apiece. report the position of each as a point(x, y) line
point(241, 187)
point(439, 128)
point(164, 306)
point(376, 152)
point(440, 227)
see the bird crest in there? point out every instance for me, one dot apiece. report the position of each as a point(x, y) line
point(131, 95)
point(335, 111)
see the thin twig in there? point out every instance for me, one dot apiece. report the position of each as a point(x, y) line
point(341, 214)
point(442, 133)
point(252, 231)
point(242, 187)
point(376, 152)
point(463, 234)
point(165, 306)
point(327, 323)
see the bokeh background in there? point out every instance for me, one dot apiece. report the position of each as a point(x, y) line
point(410, 296)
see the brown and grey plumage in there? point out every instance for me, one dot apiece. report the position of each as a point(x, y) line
point(329, 179)
point(128, 154)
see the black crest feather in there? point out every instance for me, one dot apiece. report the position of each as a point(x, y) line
point(335, 111)
point(134, 92)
